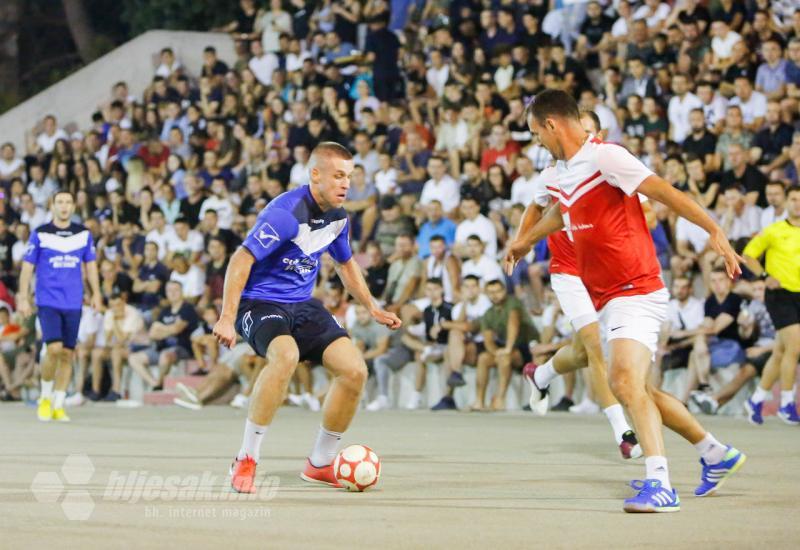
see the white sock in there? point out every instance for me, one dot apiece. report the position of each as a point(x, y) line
point(787, 397)
point(47, 389)
point(656, 468)
point(251, 442)
point(619, 424)
point(544, 375)
point(58, 399)
point(759, 395)
point(711, 450)
point(324, 448)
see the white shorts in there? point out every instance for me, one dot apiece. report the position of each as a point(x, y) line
point(636, 317)
point(574, 299)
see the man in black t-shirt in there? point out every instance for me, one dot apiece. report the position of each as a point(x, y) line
point(700, 142)
point(171, 338)
point(148, 286)
point(720, 346)
point(745, 175)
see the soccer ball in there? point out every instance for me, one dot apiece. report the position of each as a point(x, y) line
point(357, 468)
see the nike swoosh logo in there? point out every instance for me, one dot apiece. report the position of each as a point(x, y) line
point(617, 328)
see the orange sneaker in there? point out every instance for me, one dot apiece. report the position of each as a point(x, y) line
point(323, 475)
point(243, 475)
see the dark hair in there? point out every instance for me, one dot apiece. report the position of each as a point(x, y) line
point(793, 189)
point(436, 238)
point(552, 103)
point(778, 183)
point(472, 278)
point(435, 280)
point(496, 282)
point(475, 237)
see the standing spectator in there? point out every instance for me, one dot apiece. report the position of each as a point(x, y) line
point(271, 24)
point(382, 48)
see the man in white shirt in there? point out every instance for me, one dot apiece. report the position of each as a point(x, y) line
point(365, 155)
point(740, 221)
point(608, 121)
point(121, 324)
point(723, 42)
point(219, 202)
point(41, 188)
point(46, 141)
point(191, 278)
point(685, 314)
point(11, 166)
point(263, 64)
point(714, 105)
point(30, 213)
point(474, 223)
point(752, 103)
point(437, 73)
point(522, 190)
point(776, 198)
point(484, 267)
point(184, 241)
point(299, 173)
point(160, 234)
point(679, 108)
point(441, 187)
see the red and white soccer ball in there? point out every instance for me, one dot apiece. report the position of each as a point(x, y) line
point(357, 468)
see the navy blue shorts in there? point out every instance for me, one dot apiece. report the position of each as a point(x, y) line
point(309, 323)
point(59, 325)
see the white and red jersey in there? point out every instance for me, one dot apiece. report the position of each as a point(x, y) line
point(562, 251)
point(603, 217)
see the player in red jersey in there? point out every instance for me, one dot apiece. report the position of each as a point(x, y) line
point(596, 185)
point(586, 349)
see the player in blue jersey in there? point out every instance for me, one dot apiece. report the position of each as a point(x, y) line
point(58, 250)
point(267, 300)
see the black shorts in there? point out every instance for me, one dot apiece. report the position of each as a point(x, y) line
point(759, 362)
point(783, 307)
point(309, 323)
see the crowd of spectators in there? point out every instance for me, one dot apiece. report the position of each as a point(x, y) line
point(429, 96)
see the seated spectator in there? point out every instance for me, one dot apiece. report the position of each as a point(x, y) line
point(776, 201)
point(362, 205)
point(442, 265)
point(191, 278)
point(522, 188)
point(365, 155)
point(752, 103)
point(184, 241)
point(40, 186)
point(386, 176)
point(714, 105)
point(507, 330)
point(122, 323)
point(700, 141)
point(205, 347)
point(719, 345)
point(478, 264)
point(210, 229)
point(391, 224)
point(474, 223)
point(412, 163)
point(702, 186)
point(431, 346)
point(372, 339)
point(757, 333)
point(739, 219)
point(744, 175)
point(17, 362)
point(771, 74)
point(11, 166)
point(685, 315)
point(405, 273)
point(436, 225)
point(692, 251)
point(682, 103)
point(216, 268)
point(441, 187)
point(722, 44)
point(771, 141)
point(464, 338)
point(149, 281)
point(219, 201)
point(50, 134)
point(377, 270)
point(171, 338)
point(501, 150)
point(735, 132)
point(793, 67)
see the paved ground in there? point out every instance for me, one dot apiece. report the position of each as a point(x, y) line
point(455, 480)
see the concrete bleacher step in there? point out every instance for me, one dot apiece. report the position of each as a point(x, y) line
point(191, 381)
point(159, 397)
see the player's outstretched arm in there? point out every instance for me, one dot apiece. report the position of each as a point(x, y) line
point(660, 190)
point(533, 229)
point(235, 278)
point(353, 280)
